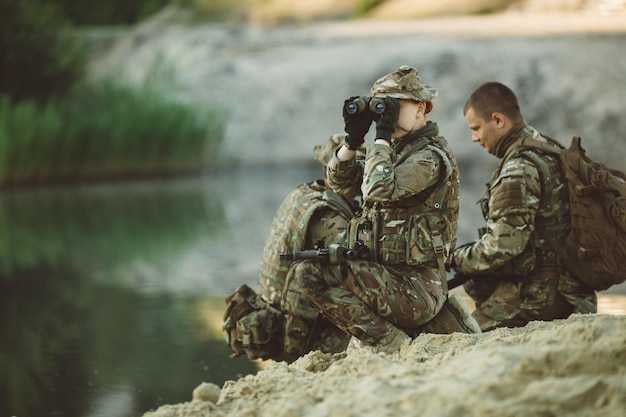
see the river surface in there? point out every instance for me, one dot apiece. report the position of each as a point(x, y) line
point(112, 296)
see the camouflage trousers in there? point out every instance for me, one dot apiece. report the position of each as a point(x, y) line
point(514, 302)
point(305, 321)
point(369, 300)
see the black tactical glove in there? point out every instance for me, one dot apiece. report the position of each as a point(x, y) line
point(356, 125)
point(386, 125)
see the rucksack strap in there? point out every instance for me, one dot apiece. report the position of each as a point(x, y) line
point(338, 203)
point(545, 177)
point(440, 254)
point(549, 146)
point(554, 245)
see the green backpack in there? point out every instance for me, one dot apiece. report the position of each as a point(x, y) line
point(259, 330)
point(252, 327)
point(595, 249)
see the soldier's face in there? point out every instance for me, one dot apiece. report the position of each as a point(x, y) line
point(412, 116)
point(485, 132)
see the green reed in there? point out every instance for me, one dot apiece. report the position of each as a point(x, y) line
point(106, 131)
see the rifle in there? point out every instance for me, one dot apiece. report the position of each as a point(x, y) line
point(338, 253)
point(459, 279)
point(334, 254)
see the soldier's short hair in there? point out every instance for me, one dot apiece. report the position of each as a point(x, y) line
point(493, 97)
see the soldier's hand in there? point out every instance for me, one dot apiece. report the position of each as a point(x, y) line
point(459, 252)
point(356, 125)
point(386, 125)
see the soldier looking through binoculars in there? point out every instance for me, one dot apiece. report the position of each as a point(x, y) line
point(410, 191)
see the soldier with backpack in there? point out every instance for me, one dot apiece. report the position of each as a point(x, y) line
point(409, 183)
point(517, 269)
point(278, 322)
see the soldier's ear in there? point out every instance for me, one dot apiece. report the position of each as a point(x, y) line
point(499, 119)
point(422, 107)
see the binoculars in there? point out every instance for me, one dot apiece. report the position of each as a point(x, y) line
point(359, 104)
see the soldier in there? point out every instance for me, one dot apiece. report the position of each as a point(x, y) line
point(409, 184)
point(312, 216)
point(516, 277)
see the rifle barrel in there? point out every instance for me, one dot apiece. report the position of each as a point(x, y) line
point(458, 280)
point(314, 254)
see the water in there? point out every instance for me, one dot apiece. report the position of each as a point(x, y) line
point(111, 297)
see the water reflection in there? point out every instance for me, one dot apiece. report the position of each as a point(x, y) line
point(111, 297)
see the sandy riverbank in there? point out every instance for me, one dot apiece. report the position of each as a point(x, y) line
point(574, 367)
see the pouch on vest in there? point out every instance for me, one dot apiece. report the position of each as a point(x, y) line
point(422, 243)
point(252, 326)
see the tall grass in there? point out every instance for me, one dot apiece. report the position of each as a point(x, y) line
point(106, 131)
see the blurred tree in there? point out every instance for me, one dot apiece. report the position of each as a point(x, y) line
point(111, 12)
point(39, 57)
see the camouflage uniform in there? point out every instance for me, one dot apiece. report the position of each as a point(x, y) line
point(310, 217)
point(410, 212)
point(521, 278)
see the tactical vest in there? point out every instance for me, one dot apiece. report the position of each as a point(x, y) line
point(418, 230)
point(288, 232)
point(552, 216)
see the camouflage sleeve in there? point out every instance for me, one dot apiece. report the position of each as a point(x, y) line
point(513, 204)
point(382, 182)
point(345, 177)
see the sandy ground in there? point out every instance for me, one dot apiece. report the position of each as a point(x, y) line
point(283, 87)
point(574, 367)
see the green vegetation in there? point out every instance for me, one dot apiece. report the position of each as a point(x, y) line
point(363, 7)
point(217, 10)
point(39, 58)
point(105, 131)
point(54, 127)
point(111, 12)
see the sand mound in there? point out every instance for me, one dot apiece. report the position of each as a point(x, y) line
point(573, 367)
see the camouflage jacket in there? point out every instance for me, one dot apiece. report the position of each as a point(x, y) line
point(310, 216)
point(513, 207)
point(410, 198)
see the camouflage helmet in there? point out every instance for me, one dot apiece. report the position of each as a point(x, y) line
point(404, 83)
